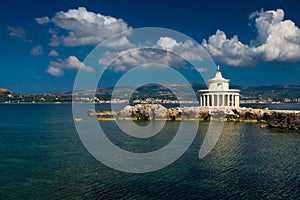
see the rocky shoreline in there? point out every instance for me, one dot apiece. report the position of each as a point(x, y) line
point(283, 119)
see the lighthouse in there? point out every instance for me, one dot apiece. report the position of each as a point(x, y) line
point(218, 94)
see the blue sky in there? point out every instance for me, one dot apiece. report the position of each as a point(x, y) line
point(255, 42)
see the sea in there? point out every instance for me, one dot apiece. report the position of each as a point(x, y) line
point(42, 157)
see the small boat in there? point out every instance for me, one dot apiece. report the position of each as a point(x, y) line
point(77, 119)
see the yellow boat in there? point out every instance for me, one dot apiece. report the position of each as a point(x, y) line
point(77, 119)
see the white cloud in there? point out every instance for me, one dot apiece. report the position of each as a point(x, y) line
point(228, 51)
point(187, 49)
point(37, 50)
point(126, 60)
point(85, 28)
point(54, 41)
point(73, 63)
point(190, 51)
point(42, 20)
point(56, 68)
point(55, 71)
point(53, 53)
point(17, 33)
point(201, 69)
point(277, 40)
point(167, 51)
point(118, 42)
point(167, 43)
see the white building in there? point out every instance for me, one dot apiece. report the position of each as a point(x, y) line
point(218, 94)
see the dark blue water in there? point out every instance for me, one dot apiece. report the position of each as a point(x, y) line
point(42, 157)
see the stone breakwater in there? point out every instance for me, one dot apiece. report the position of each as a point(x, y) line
point(283, 119)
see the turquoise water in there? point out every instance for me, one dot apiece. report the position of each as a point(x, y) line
point(42, 157)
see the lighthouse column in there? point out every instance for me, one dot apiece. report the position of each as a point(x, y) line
point(207, 100)
point(200, 100)
point(228, 100)
point(223, 100)
point(233, 101)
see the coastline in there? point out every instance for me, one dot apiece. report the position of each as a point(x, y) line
point(284, 119)
point(247, 105)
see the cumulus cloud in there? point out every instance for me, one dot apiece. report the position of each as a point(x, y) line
point(229, 51)
point(73, 63)
point(187, 49)
point(42, 20)
point(166, 51)
point(53, 53)
point(168, 43)
point(37, 50)
point(17, 33)
point(56, 68)
point(118, 42)
point(85, 28)
point(54, 40)
point(55, 71)
point(126, 60)
point(277, 40)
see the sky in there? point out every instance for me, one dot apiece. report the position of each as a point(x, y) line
point(44, 43)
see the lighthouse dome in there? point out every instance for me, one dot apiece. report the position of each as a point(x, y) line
point(218, 83)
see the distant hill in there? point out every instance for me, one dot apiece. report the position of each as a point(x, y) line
point(4, 90)
point(277, 92)
point(274, 92)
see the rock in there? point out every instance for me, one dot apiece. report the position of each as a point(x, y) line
point(204, 114)
point(283, 120)
point(265, 116)
point(126, 112)
point(144, 112)
point(102, 113)
point(158, 111)
point(218, 115)
point(247, 115)
point(250, 116)
point(174, 113)
point(231, 115)
point(190, 113)
point(275, 119)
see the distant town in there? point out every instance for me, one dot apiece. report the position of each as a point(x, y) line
point(153, 93)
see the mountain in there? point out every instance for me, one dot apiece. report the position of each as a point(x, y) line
point(274, 92)
point(278, 92)
point(156, 91)
point(4, 91)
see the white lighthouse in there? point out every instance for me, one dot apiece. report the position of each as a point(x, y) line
point(218, 94)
